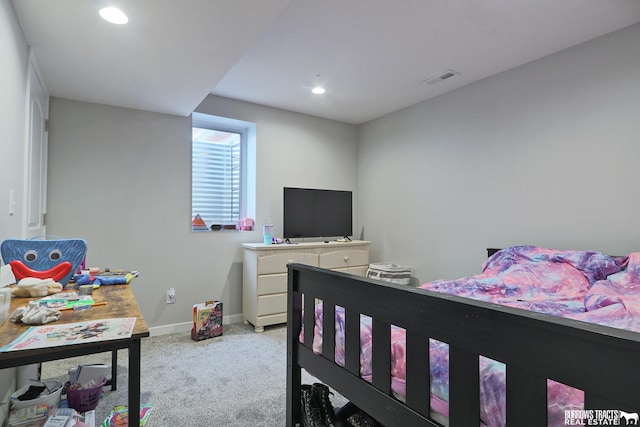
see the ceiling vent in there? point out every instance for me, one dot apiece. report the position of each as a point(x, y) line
point(442, 77)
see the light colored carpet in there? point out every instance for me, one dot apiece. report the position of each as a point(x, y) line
point(237, 379)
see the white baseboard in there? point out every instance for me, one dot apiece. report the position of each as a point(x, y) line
point(236, 318)
point(170, 329)
point(186, 326)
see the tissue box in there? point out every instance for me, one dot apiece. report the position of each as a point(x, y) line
point(5, 303)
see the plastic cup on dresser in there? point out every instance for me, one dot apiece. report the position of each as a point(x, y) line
point(267, 233)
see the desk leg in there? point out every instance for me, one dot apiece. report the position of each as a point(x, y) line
point(134, 383)
point(114, 370)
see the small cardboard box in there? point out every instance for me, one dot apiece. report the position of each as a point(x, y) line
point(207, 320)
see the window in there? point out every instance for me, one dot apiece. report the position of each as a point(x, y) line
point(222, 163)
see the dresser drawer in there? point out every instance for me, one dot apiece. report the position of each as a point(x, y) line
point(272, 284)
point(343, 259)
point(277, 263)
point(271, 304)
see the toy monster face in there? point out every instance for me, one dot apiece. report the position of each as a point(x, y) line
point(44, 259)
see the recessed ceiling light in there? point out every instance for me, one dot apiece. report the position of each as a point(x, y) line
point(113, 15)
point(318, 90)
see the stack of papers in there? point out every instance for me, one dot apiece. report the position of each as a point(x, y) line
point(67, 417)
point(88, 374)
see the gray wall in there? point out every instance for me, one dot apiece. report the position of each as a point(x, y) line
point(544, 154)
point(121, 179)
point(13, 108)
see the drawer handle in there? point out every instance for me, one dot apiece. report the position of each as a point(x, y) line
point(346, 259)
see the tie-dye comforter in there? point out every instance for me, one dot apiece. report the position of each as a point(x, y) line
point(587, 286)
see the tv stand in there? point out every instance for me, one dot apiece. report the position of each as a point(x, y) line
point(264, 283)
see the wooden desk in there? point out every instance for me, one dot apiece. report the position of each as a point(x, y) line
point(120, 303)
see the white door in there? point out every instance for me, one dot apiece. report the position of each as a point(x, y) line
point(36, 179)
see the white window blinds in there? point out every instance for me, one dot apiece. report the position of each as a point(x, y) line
point(215, 180)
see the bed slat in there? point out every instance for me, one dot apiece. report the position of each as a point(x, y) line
point(309, 321)
point(352, 341)
point(464, 388)
point(381, 349)
point(530, 408)
point(418, 375)
point(329, 330)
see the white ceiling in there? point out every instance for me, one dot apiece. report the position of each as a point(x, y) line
point(371, 55)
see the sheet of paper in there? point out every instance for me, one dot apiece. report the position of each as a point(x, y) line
point(53, 335)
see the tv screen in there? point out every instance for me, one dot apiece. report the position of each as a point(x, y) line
point(312, 212)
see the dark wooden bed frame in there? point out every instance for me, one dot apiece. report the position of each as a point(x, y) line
point(602, 361)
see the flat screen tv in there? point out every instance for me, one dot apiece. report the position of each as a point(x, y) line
point(310, 212)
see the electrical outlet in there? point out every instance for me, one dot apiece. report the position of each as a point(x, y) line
point(171, 296)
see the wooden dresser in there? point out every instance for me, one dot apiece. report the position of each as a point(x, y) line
point(264, 290)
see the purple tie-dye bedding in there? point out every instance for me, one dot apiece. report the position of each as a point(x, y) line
point(587, 286)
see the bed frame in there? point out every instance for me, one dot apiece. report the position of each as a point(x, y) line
point(602, 361)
